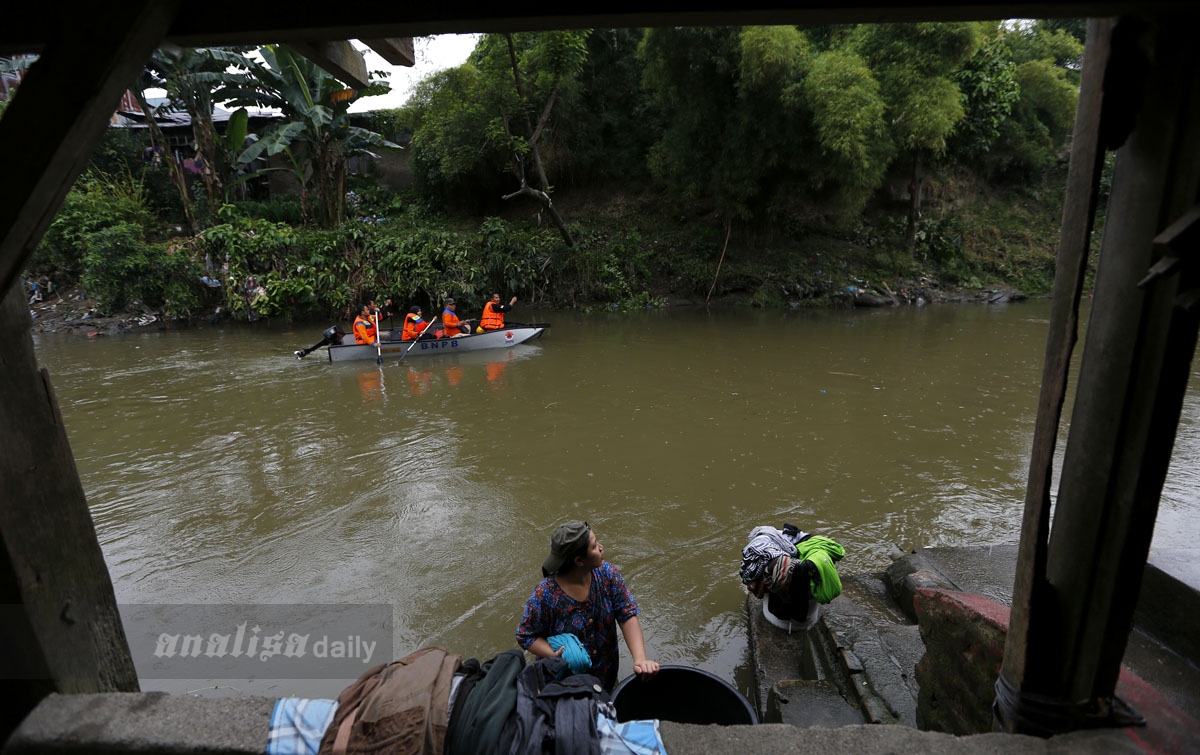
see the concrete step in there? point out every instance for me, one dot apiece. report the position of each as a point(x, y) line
point(804, 703)
point(878, 648)
point(854, 666)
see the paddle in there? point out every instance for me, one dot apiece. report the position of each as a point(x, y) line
point(378, 342)
point(418, 338)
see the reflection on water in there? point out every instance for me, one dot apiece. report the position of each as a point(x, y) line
point(220, 469)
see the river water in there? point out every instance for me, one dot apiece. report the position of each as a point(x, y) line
point(219, 469)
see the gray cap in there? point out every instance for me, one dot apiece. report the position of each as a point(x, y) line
point(449, 302)
point(563, 543)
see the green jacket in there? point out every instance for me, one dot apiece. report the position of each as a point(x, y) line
point(823, 552)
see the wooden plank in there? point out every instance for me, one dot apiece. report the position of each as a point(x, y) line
point(1079, 212)
point(229, 22)
point(61, 624)
point(60, 601)
point(339, 59)
point(397, 50)
point(1075, 596)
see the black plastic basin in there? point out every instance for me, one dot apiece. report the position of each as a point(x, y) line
point(683, 695)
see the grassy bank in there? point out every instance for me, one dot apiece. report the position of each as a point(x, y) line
point(631, 250)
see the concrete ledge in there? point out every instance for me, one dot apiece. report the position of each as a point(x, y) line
point(133, 722)
point(868, 739)
point(156, 722)
point(1168, 604)
point(120, 723)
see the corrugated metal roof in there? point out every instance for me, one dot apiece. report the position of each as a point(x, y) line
point(133, 117)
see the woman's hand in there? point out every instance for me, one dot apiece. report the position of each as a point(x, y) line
point(645, 668)
point(541, 649)
point(642, 666)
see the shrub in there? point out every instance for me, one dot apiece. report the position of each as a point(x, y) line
point(280, 208)
point(120, 268)
point(97, 202)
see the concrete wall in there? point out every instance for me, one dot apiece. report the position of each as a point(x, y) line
point(964, 638)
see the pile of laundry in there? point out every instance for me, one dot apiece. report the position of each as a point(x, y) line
point(794, 571)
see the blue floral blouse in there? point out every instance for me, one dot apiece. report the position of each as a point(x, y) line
point(550, 612)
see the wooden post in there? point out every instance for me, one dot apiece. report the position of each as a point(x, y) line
point(1079, 211)
point(61, 627)
point(1069, 630)
point(61, 610)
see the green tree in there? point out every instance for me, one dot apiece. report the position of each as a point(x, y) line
point(1046, 73)
point(691, 77)
point(451, 158)
point(523, 76)
point(730, 137)
point(762, 117)
point(1059, 41)
point(1042, 118)
point(915, 66)
point(989, 90)
point(600, 127)
point(847, 110)
point(603, 130)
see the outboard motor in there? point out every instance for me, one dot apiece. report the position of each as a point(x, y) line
point(331, 337)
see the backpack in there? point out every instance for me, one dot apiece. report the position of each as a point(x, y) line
point(398, 707)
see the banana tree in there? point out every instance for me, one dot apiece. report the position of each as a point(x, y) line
point(190, 78)
point(315, 134)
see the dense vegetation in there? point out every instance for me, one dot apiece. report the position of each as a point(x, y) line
point(598, 168)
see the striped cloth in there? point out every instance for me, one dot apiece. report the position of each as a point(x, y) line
point(766, 544)
point(628, 738)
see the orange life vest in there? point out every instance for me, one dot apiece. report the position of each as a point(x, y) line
point(364, 330)
point(450, 323)
point(413, 325)
point(491, 319)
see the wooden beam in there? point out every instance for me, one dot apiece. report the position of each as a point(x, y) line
point(1070, 624)
point(62, 627)
point(397, 50)
point(231, 22)
point(61, 622)
point(61, 110)
point(339, 59)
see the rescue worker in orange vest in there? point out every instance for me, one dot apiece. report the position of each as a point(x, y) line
point(377, 318)
point(364, 326)
point(493, 314)
point(414, 326)
point(452, 327)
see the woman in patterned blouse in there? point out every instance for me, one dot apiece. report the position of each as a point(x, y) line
point(583, 595)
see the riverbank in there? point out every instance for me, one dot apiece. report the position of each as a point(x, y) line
point(73, 312)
